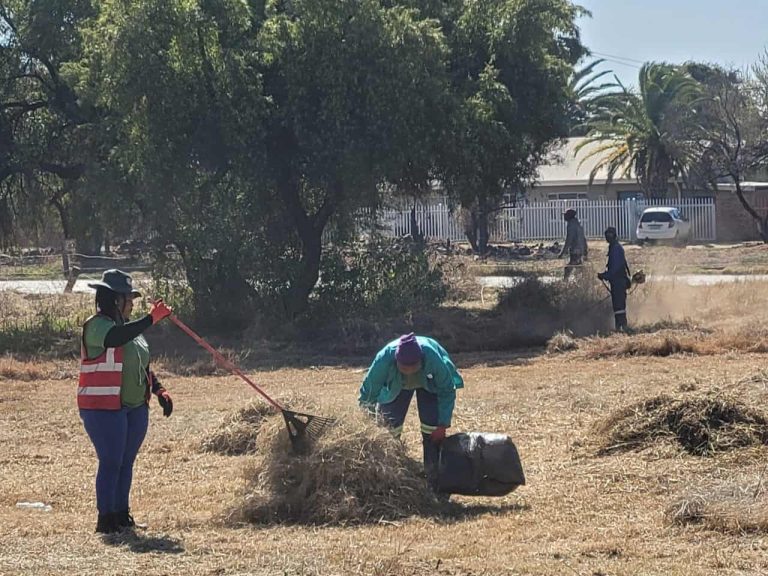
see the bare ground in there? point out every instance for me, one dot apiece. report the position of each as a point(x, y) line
point(579, 514)
point(652, 510)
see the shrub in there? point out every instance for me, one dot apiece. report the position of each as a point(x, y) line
point(381, 276)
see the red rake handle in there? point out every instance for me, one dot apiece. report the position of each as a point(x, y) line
point(219, 357)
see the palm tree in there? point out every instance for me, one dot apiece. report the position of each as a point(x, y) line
point(583, 90)
point(641, 131)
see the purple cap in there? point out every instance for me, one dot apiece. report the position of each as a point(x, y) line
point(408, 350)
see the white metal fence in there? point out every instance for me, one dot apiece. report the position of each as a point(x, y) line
point(544, 220)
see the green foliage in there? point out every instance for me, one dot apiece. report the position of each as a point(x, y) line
point(635, 132)
point(584, 90)
point(238, 131)
point(381, 277)
point(46, 330)
point(510, 63)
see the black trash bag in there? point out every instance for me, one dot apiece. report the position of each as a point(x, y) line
point(479, 464)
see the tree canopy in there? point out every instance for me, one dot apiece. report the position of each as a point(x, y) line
point(240, 131)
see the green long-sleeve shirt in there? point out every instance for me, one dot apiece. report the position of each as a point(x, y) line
point(438, 375)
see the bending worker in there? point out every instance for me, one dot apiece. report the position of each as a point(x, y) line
point(404, 366)
point(575, 242)
point(114, 391)
point(617, 275)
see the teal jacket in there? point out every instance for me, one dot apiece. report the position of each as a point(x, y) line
point(438, 375)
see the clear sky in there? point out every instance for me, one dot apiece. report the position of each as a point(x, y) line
point(729, 32)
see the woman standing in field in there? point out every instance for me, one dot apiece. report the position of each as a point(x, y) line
point(114, 391)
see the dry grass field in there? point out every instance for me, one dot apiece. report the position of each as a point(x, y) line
point(593, 505)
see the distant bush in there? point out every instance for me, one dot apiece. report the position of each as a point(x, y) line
point(581, 306)
point(382, 276)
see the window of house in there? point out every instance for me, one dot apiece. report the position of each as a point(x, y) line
point(555, 196)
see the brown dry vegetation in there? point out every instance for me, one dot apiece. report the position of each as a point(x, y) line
point(579, 512)
point(656, 509)
point(731, 505)
point(746, 258)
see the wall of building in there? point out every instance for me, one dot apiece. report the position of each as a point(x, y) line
point(734, 224)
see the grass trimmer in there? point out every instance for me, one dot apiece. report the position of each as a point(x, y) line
point(301, 427)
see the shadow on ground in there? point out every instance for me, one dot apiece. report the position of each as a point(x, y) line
point(141, 543)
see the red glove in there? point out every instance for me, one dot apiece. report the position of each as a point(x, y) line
point(438, 435)
point(165, 401)
point(159, 311)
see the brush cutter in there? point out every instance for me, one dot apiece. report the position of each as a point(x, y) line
point(301, 427)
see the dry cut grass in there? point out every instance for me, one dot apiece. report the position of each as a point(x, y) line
point(700, 425)
point(356, 472)
point(736, 506)
point(702, 342)
point(239, 432)
point(562, 342)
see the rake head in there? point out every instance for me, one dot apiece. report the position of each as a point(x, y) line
point(303, 429)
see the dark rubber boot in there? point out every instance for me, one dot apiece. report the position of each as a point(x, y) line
point(431, 467)
point(107, 524)
point(431, 460)
point(125, 521)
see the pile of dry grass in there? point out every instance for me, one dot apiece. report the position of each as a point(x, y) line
point(664, 343)
point(735, 507)
point(562, 342)
point(239, 432)
point(355, 473)
point(701, 425)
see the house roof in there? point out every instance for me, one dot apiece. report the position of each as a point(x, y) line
point(567, 167)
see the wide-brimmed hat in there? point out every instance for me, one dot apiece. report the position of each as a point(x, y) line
point(117, 281)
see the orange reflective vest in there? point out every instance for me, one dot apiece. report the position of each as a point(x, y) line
point(100, 380)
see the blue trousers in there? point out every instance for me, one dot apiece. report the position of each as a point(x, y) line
point(619, 303)
point(117, 436)
point(394, 415)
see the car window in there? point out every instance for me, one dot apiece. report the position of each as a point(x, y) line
point(656, 217)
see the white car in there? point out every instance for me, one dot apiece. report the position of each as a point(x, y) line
point(661, 223)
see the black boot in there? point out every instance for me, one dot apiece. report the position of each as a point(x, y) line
point(431, 467)
point(125, 520)
point(107, 524)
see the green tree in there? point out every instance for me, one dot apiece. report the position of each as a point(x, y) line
point(730, 137)
point(510, 62)
point(633, 130)
point(584, 87)
point(52, 148)
point(350, 84)
point(246, 129)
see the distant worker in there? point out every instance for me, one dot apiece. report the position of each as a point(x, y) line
point(575, 243)
point(404, 366)
point(114, 391)
point(617, 275)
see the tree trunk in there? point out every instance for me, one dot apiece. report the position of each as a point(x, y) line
point(310, 230)
point(470, 227)
point(762, 223)
point(482, 227)
point(304, 283)
point(416, 236)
